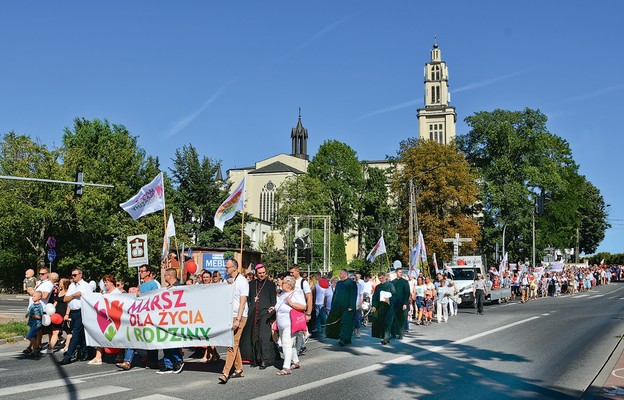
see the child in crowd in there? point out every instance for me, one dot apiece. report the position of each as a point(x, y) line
point(429, 304)
point(35, 313)
point(29, 280)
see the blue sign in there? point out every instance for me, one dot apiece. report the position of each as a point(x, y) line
point(51, 255)
point(190, 253)
point(214, 262)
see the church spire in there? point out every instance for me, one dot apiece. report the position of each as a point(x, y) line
point(299, 137)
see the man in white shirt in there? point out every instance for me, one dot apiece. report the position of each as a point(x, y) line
point(320, 303)
point(239, 307)
point(302, 285)
point(72, 297)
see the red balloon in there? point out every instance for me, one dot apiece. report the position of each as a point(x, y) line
point(190, 267)
point(324, 283)
point(56, 318)
point(108, 350)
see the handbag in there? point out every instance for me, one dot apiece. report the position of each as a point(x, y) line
point(298, 321)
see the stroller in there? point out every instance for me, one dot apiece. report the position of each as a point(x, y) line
point(366, 308)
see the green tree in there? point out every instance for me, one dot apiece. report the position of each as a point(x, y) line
point(340, 174)
point(195, 200)
point(29, 211)
point(446, 196)
point(517, 159)
point(375, 214)
point(96, 240)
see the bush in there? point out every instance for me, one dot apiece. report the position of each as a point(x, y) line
point(12, 329)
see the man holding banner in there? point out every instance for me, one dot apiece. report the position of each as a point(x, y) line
point(239, 309)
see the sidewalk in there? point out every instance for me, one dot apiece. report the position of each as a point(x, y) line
point(609, 384)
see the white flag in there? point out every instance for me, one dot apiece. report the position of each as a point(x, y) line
point(423, 249)
point(379, 249)
point(235, 202)
point(151, 198)
point(170, 227)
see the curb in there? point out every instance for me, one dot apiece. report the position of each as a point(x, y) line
point(594, 389)
point(11, 339)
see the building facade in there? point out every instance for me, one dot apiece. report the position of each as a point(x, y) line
point(437, 120)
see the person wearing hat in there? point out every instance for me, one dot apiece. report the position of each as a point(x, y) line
point(256, 343)
point(382, 310)
point(479, 291)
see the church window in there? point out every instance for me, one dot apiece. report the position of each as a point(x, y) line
point(268, 206)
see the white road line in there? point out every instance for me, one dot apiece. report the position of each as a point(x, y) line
point(90, 393)
point(598, 295)
point(375, 367)
point(3, 369)
point(157, 397)
point(39, 386)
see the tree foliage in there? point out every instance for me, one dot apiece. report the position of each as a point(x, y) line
point(446, 197)
point(517, 160)
point(340, 174)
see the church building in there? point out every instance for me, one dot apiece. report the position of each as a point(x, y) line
point(437, 120)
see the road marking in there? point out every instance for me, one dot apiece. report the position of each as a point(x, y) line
point(41, 386)
point(89, 393)
point(157, 397)
point(375, 367)
point(3, 369)
point(598, 295)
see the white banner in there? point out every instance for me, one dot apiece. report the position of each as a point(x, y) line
point(182, 316)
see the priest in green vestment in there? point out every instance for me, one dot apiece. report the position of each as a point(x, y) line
point(342, 315)
point(382, 311)
point(400, 304)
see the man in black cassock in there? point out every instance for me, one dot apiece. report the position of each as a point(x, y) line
point(256, 343)
point(382, 311)
point(400, 304)
point(342, 314)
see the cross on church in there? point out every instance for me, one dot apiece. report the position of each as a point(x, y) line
point(457, 241)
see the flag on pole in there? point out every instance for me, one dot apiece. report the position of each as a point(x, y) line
point(503, 264)
point(415, 256)
point(423, 249)
point(449, 270)
point(165, 248)
point(235, 202)
point(170, 227)
point(379, 249)
point(435, 263)
point(151, 198)
point(602, 263)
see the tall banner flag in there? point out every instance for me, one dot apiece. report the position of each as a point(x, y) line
point(235, 202)
point(415, 256)
point(151, 198)
point(503, 265)
point(423, 249)
point(379, 249)
point(170, 227)
point(435, 263)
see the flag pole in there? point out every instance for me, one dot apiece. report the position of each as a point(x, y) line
point(242, 236)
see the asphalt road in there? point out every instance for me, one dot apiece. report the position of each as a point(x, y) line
point(551, 348)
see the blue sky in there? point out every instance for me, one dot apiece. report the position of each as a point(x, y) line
point(229, 77)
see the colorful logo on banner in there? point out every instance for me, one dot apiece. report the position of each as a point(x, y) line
point(109, 317)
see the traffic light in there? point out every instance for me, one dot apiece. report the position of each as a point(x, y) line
point(78, 186)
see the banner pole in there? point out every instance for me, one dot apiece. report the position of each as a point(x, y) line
point(242, 236)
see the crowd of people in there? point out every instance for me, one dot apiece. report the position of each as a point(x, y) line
point(273, 317)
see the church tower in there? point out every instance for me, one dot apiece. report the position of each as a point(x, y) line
point(438, 119)
point(299, 136)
